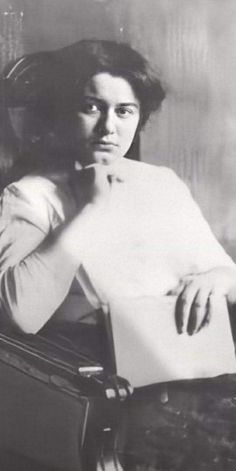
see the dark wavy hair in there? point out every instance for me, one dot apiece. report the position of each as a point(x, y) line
point(86, 58)
point(47, 88)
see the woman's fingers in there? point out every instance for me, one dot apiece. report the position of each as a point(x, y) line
point(194, 295)
point(192, 308)
point(181, 285)
point(113, 173)
point(183, 307)
point(199, 312)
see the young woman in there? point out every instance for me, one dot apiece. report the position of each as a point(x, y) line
point(81, 222)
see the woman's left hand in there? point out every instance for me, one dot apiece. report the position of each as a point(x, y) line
point(193, 297)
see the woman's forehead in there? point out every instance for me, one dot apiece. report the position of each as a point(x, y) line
point(112, 88)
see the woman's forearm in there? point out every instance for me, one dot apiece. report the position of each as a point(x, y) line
point(32, 290)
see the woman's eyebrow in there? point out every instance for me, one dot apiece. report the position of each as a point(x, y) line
point(129, 103)
point(102, 101)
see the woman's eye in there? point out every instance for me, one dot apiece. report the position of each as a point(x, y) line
point(90, 108)
point(124, 112)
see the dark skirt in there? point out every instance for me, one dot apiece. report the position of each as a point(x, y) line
point(193, 429)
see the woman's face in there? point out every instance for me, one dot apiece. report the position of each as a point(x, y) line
point(107, 119)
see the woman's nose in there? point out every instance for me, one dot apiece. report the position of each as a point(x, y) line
point(107, 123)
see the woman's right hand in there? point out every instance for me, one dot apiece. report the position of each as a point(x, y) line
point(92, 185)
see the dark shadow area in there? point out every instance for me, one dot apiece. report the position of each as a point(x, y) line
point(13, 462)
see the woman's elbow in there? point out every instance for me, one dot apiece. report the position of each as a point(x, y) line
point(21, 321)
point(26, 327)
point(21, 310)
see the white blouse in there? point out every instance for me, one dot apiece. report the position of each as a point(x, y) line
point(151, 235)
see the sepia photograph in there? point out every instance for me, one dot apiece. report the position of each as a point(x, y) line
point(117, 235)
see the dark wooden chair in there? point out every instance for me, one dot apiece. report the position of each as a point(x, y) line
point(60, 398)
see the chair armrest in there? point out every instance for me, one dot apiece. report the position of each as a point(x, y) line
point(78, 356)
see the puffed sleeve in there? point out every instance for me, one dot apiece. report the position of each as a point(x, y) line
point(35, 276)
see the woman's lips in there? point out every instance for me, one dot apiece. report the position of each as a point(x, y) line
point(104, 145)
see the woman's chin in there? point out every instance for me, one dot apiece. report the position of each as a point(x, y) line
point(105, 158)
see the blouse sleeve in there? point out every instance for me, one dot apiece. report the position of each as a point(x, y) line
point(34, 278)
point(200, 242)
